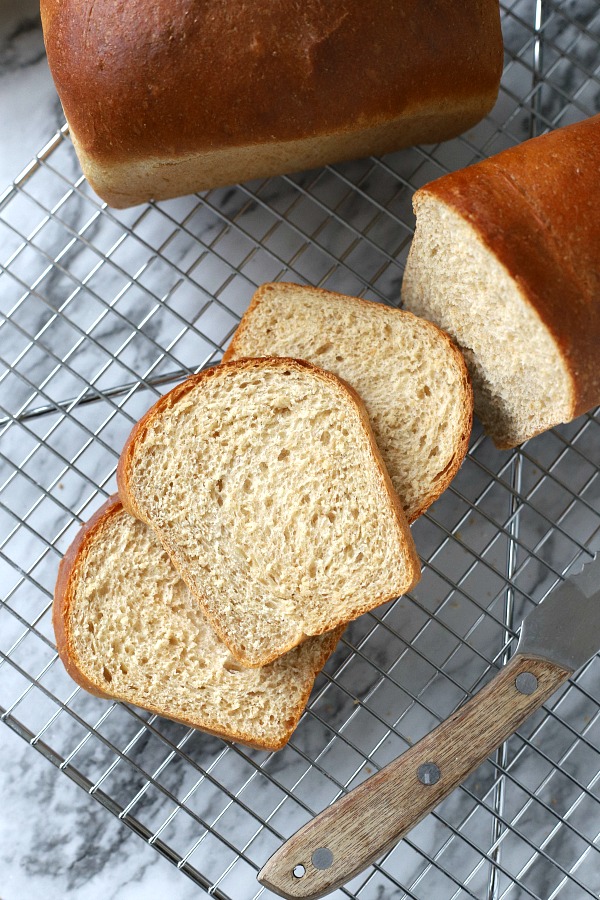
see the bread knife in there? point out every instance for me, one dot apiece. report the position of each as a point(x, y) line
point(557, 638)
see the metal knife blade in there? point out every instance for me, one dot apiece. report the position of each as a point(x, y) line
point(556, 639)
point(565, 627)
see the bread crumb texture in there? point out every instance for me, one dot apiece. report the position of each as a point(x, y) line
point(263, 483)
point(411, 378)
point(135, 631)
point(521, 383)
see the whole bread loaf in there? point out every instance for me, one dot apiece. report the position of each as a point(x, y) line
point(128, 628)
point(263, 481)
point(166, 97)
point(506, 259)
point(410, 376)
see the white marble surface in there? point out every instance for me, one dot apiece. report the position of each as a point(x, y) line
point(56, 842)
point(30, 111)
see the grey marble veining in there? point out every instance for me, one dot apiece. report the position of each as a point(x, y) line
point(55, 842)
point(93, 310)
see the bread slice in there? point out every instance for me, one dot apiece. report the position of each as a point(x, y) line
point(506, 258)
point(263, 481)
point(128, 628)
point(410, 376)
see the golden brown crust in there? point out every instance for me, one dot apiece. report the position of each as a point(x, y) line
point(173, 78)
point(138, 432)
point(63, 596)
point(535, 208)
point(180, 64)
point(379, 309)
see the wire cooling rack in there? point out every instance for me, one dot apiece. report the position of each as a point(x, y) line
point(104, 310)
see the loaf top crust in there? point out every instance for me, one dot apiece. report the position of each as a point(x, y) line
point(535, 206)
point(172, 77)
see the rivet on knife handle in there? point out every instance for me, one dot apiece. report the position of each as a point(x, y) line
point(359, 828)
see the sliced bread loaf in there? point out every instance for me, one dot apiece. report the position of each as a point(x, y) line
point(410, 376)
point(263, 481)
point(506, 258)
point(128, 628)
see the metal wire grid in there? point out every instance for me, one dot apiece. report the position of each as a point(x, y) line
point(104, 310)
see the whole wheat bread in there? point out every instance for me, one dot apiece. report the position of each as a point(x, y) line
point(128, 628)
point(506, 258)
point(410, 376)
point(263, 481)
point(168, 97)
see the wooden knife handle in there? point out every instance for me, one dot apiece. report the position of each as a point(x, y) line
point(360, 827)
